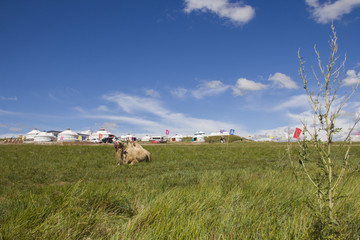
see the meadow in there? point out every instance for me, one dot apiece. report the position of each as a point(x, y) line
point(241, 190)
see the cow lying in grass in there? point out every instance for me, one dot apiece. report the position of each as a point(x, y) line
point(133, 153)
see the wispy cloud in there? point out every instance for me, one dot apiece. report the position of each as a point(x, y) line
point(298, 101)
point(102, 108)
point(238, 12)
point(216, 87)
point(179, 92)
point(351, 78)
point(110, 125)
point(15, 129)
point(281, 80)
point(151, 115)
point(152, 93)
point(3, 125)
point(331, 10)
point(9, 98)
point(244, 85)
point(209, 88)
point(4, 112)
point(134, 104)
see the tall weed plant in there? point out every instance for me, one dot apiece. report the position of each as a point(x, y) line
point(324, 167)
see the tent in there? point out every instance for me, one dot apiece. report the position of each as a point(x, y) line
point(102, 133)
point(44, 137)
point(198, 138)
point(145, 139)
point(68, 136)
point(30, 135)
point(127, 137)
point(176, 138)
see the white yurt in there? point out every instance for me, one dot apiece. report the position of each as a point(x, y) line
point(198, 139)
point(43, 137)
point(127, 137)
point(68, 136)
point(176, 138)
point(220, 133)
point(85, 135)
point(30, 135)
point(145, 139)
point(102, 133)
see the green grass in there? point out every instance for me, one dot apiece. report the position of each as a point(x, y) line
point(188, 191)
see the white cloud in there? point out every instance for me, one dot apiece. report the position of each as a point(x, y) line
point(351, 78)
point(243, 85)
point(134, 104)
point(298, 101)
point(4, 112)
point(109, 125)
point(151, 117)
point(3, 125)
point(15, 129)
point(238, 13)
point(9, 98)
point(280, 80)
point(79, 109)
point(137, 121)
point(102, 108)
point(331, 10)
point(152, 93)
point(210, 88)
point(179, 92)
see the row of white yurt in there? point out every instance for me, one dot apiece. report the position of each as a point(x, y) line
point(64, 136)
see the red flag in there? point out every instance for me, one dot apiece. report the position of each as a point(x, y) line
point(297, 133)
point(167, 132)
point(100, 136)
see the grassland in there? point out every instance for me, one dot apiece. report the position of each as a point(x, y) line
point(240, 190)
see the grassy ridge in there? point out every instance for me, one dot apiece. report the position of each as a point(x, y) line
point(207, 191)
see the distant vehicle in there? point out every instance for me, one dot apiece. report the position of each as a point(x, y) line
point(107, 140)
point(95, 140)
point(158, 139)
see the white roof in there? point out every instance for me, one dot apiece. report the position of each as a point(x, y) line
point(33, 132)
point(45, 134)
point(86, 132)
point(103, 131)
point(68, 132)
point(30, 135)
point(199, 133)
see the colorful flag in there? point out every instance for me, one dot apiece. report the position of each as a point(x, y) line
point(80, 138)
point(232, 131)
point(100, 136)
point(167, 132)
point(297, 133)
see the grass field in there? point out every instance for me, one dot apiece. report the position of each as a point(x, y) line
point(241, 190)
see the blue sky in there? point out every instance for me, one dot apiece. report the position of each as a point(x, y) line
point(142, 67)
